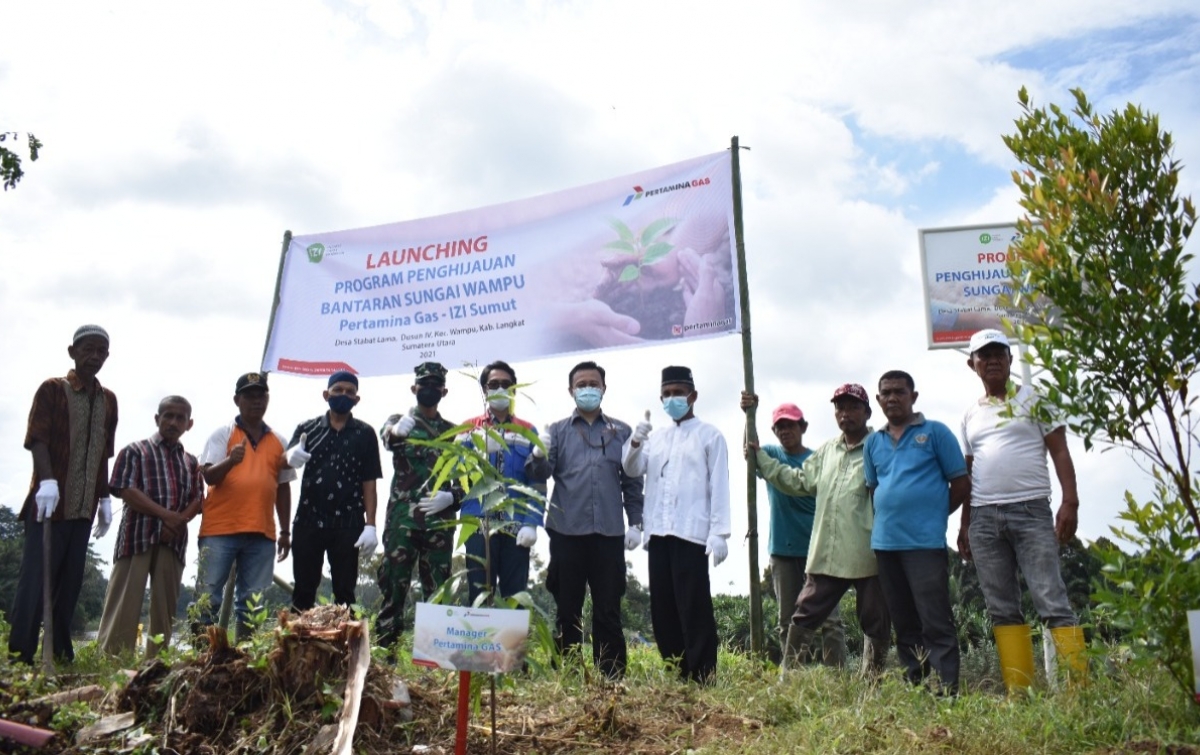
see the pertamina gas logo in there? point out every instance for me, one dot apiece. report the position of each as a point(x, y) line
point(639, 192)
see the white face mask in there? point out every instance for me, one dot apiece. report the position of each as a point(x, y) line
point(499, 400)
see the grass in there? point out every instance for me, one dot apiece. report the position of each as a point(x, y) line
point(750, 709)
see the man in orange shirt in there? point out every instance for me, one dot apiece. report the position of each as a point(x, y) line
point(248, 478)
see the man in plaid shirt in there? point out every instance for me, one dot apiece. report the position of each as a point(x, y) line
point(162, 488)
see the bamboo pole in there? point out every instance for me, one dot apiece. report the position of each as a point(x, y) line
point(287, 242)
point(756, 625)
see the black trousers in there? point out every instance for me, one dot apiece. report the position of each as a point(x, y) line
point(595, 562)
point(310, 546)
point(681, 607)
point(916, 586)
point(68, 555)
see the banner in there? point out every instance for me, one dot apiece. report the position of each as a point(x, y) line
point(492, 640)
point(964, 272)
point(627, 262)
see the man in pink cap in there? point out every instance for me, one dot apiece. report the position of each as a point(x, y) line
point(839, 553)
point(790, 533)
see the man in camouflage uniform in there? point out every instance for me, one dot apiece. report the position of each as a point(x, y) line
point(419, 530)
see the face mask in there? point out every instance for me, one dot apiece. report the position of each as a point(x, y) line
point(499, 400)
point(588, 399)
point(341, 404)
point(428, 395)
point(676, 407)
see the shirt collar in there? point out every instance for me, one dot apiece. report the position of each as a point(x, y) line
point(76, 383)
point(237, 420)
point(601, 418)
point(157, 439)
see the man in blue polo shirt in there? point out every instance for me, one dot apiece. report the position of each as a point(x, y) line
point(918, 477)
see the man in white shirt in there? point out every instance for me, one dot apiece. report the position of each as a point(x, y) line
point(1008, 524)
point(685, 519)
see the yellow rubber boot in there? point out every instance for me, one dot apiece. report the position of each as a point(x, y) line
point(1072, 648)
point(1015, 647)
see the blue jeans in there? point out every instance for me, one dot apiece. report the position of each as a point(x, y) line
point(254, 556)
point(1011, 536)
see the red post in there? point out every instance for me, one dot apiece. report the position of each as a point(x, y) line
point(464, 700)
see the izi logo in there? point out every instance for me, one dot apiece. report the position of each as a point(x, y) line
point(315, 252)
point(985, 238)
point(638, 195)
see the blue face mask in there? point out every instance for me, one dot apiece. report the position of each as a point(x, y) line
point(341, 404)
point(588, 399)
point(676, 407)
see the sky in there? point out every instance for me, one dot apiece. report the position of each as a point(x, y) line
point(182, 141)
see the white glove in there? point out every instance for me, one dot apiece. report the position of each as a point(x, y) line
point(296, 455)
point(103, 518)
point(546, 440)
point(527, 536)
point(367, 541)
point(46, 499)
point(439, 501)
point(717, 548)
point(516, 439)
point(404, 426)
point(633, 538)
point(480, 440)
point(642, 431)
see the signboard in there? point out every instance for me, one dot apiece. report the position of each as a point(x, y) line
point(631, 261)
point(492, 640)
point(964, 274)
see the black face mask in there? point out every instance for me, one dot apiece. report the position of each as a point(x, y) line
point(429, 395)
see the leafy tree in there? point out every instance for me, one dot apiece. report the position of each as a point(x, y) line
point(1100, 265)
point(10, 160)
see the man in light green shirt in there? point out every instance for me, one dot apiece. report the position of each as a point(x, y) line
point(839, 554)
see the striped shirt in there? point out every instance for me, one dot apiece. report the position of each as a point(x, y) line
point(169, 476)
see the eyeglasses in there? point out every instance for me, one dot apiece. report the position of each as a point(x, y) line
point(499, 385)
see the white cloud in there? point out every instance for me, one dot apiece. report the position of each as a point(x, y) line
point(182, 141)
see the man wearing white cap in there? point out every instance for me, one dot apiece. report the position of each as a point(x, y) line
point(1008, 524)
point(71, 434)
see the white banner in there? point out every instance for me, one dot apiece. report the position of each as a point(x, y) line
point(626, 262)
point(492, 640)
point(965, 273)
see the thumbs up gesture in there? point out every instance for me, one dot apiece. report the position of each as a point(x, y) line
point(238, 453)
point(642, 431)
point(296, 455)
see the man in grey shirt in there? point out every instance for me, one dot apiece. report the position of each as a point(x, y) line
point(592, 497)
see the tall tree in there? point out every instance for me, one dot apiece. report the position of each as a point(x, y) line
point(1100, 264)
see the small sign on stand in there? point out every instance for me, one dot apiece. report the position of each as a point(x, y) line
point(491, 640)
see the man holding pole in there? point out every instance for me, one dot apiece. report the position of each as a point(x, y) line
point(71, 434)
point(1008, 525)
point(586, 522)
point(790, 534)
point(686, 519)
point(419, 531)
point(839, 553)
